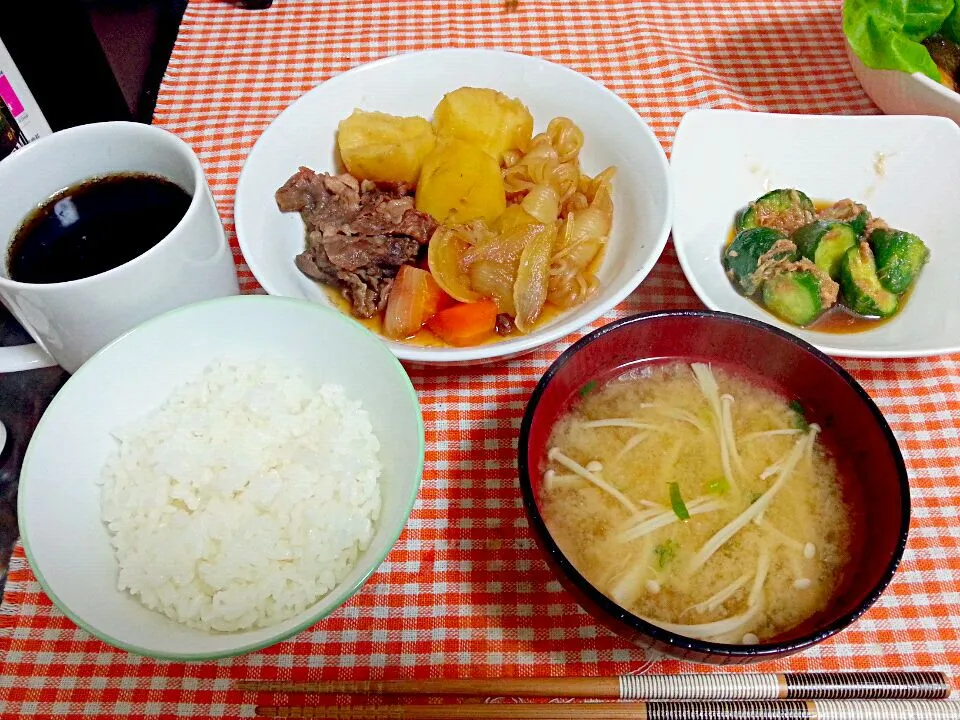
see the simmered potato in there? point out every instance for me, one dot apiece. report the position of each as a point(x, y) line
point(384, 148)
point(459, 182)
point(485, 118)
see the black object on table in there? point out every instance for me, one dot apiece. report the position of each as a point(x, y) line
point(23, 398)
point(56, 50)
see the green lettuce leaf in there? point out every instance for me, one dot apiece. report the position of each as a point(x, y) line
point(886, 34)
point(951, 26)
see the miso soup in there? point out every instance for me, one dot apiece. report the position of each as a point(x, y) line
point(700, 501)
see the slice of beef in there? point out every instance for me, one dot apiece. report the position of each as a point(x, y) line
point(417, 225)
point(325, 202)
point(306, 190)
point(367, 293)
point(355, 252)
point(385, 213)
point(299, 191)
point(381, 221)
point(316, 265)
point(358, 234)
point(367, 289)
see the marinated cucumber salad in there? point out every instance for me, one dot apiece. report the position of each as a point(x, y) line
point(799, 262)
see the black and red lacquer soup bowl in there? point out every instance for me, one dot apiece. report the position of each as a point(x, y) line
point(854, 430)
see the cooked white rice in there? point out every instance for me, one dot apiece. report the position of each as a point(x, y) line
point(243, 499)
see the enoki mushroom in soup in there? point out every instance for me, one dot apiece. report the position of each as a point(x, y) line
point(699, 501)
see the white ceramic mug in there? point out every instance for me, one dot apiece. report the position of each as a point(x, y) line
point(70, 321)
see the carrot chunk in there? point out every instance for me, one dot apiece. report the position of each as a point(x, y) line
point(466, 323)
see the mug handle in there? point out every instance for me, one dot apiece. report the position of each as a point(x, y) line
point(14, 358)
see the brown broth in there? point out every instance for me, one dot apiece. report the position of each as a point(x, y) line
point(841, 320)
point(425, 338)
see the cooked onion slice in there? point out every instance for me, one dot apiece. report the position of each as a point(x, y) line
point(443, 255)
point(505, 248)
point(542, 203)
point(494, 280)
point(530, 289)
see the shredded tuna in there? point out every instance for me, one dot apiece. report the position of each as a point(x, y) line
point(875, 223)
point(829, 289)
point(843, 210)
point(779, 248)
point(788, 221)
point(772, 262)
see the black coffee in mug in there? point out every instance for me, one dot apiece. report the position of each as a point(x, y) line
point(95, 226)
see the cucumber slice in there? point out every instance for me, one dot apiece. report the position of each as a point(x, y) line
point(862, 291)
point(825, 242)
point(784, 209)
point(794, 296)
point(859, 223)
point(900, 256)
point(742, 256)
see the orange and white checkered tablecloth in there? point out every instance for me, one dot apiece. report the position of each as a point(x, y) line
point(465, 592)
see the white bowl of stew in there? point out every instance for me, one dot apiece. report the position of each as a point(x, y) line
point(305, 134)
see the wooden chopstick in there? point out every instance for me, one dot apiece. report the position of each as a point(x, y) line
point(761, 710)
point(706, 686)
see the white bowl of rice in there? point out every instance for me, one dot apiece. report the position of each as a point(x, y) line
point(222, 477)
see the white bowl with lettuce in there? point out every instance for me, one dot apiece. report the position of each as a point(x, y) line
point(906, 55)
